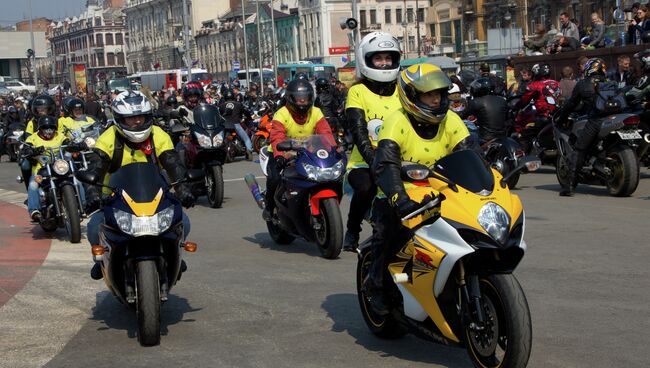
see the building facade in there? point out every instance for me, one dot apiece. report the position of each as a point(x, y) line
point(156, 31)
point(96, 38)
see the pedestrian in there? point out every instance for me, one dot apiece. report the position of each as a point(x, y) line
point(568, 28)
point(622, 74)
point(643, 26)
point(597, 37)
point(633, 34)
point(567, 83)
point(539, 43)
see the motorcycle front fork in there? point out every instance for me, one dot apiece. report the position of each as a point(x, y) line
point(471, 298)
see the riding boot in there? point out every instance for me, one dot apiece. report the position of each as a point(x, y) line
point(351, 241)
point(96, 272)
point(249, 155)
point(576, 161)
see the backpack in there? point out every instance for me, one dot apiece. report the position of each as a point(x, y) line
point(609, 99)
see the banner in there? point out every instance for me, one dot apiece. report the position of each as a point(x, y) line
point(347, 76)
point(80, 78)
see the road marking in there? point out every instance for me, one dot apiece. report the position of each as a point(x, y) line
point(241, 179)
point(12, 197)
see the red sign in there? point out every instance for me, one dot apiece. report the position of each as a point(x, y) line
point(339, 50)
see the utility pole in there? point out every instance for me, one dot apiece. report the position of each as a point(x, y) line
point(31, 34)
point(259, 45)
point(417, 26)
point(406, 34)
point(186, 40)
point(243, 22)
point(274, 46)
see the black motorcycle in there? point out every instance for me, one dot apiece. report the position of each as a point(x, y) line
point(59, 192)
point(11, 136)
point(611, 161)
point(206, 150)
point(141, 241)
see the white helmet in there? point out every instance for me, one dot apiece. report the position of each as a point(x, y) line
point(373, 43)
point(132, 103)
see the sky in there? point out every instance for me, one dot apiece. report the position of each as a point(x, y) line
point(14, 11)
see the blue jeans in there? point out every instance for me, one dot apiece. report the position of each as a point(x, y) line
point(98, 219)
point(244, 137)
point(33, 198)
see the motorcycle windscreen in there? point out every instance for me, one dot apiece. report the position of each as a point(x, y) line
point(141, 180)
point(466, 169)
point(314, 143)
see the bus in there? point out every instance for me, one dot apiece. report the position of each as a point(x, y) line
point(163, 79)
point(313, 71)
point(254, 75)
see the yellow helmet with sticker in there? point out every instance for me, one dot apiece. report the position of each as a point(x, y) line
point(420, 79)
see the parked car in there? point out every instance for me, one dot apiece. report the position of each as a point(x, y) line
point(19, 86)
point(4, 91)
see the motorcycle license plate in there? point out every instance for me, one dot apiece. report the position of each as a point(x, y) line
point(629, 135)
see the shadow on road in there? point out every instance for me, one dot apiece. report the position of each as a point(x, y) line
point(580, 189)
point(115, 316)
point(343, 309)
point(297, 246)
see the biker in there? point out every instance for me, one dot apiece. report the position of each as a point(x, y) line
point(368, 104)
point(42, 105)
point(233, 112)
point(594, 72)
point(133, 138)
point(298, 118)
point(13, 117)
point(641, 90)
point(490, 110)
point(424, 130)
point(326, 102)
point(47, 136)
point(76, 119)
point(192, 94)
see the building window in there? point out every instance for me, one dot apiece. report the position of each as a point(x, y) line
point(432, 29)
point(387, 19)
point(100, 60)
point(98, 21)
point(109, 39)
point(398, 16)
point(409, 15)
point(445, 33)
point(110, 58)
point(411, 43)
point(120, 59)
point(421, 15)
point(362, 19)
point(118, 39)
point(100, 40)
point(373, 16)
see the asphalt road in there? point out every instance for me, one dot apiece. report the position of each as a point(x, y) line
point(247, 302)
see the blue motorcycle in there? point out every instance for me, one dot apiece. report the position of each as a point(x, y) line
point(307, 199)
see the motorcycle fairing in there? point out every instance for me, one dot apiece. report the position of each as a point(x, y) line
point(143, 208)
point(315, 199)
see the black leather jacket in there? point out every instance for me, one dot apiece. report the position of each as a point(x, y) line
point(583, 98)
point(491, 113)
point(357, 123)
point(327, 103)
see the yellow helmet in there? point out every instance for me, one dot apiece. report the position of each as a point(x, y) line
point(423, 78)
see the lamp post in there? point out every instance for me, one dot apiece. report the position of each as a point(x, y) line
point(31, 33)
point(243, 22)
point(186, 40)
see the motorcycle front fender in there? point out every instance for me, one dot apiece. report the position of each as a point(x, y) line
point(322, 194)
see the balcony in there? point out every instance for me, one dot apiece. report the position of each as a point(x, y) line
point(367, 28)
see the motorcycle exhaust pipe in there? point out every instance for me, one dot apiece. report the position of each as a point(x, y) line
point(251, 182)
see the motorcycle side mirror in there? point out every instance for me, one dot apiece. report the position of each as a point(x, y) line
point(87, 177)
point(285, 146)
point(526, 164)
point(194, 175)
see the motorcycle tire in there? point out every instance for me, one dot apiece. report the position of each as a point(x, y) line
point(72, 215)
point(625, 178)
point(386, 327)
point(230, 152)
point(507, 337)
point(148, 303)
point(259, 142)
point(13, 156)
point(562, 171)
point(214, 184)
point(330, 236)
point(278, 235)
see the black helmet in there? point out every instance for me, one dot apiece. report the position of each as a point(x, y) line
point(322, 85)
point(644, 58)
point(301, 76)
point(171, 101)
point(43, 101)
point(299, 96)
point(47, 126)
point(540, 71)
point(481, 87)
point(228, 95)
point(207, 116)
point(70, 104)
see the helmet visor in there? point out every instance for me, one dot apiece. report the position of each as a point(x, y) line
point(430, 81)
point(135, 123)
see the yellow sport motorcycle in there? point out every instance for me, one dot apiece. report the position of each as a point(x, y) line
point(452, 281)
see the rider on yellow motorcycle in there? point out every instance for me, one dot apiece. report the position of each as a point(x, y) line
point(423, 131)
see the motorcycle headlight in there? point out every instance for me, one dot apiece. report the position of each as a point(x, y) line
point(217, 140)
point(204, 140)
point(495, 221)
point(90, 142)
point(324, 173)
point(61, 167)
point(18, 133)
point(144, 225)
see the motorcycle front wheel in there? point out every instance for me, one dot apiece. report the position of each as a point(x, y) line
point(506, 338)
point(148, 303)
point(329, 236)
point(625, 171)
point(71, 213)
point(214, 184)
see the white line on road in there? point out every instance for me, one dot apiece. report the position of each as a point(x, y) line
point(241, 179)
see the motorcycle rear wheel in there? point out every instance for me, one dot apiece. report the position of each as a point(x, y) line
point(259, 142)
point(625, 178)
point(386, 327)
point(214, 183)
point(505, 341)
point(148, 303)
point(72, 215)
point(330, 236)
point(278, 234)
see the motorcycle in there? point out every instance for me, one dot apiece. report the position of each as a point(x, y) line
point(452, 281)
point(59, 192)
point(12, 140)
point(502, 153)
point(535, 136)
point(140, 242)
point(307, 199)
point(261, 135)
point(235, 147)
point(611, 161)
point(205, 150)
